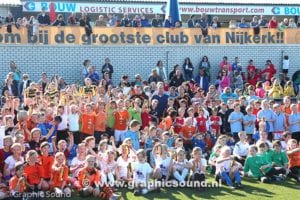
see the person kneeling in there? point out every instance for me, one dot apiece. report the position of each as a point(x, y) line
point(89, 182)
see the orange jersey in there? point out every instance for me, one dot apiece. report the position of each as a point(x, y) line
point(49, 119)
point(46, 162)
point(88, 123)
point(168, 121)
point(13, 182)
point(188, 132)
point(287, 111)
point(294, 159)
point(57, 177)
point(101, 121)
point(90, 175)
point(33, 173)
point(121, 120)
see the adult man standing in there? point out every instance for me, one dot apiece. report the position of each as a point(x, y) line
point(93, 75)
point(203, 25)
point(191, 22)
point(16, 71)
point(176, 80)
point(126, 22)
point(107, 68)
point(162, 98)
point(23, 85)
point(157, 21)
point(43, 18)
point(202, 80)
point(100, 22)
point(112, 20)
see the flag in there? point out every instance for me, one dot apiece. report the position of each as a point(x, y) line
point(173, 11)
point(52, 13)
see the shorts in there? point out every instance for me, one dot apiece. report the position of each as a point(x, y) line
point(119, 135)
point(277, 135)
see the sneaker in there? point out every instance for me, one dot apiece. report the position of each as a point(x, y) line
point(265, 180)
point(298, 179)
point(144, 191)
point(240, 186)
point(232, 187)
point(278, 178)
point(137, 193)
point(283, 176)
point(115, 197)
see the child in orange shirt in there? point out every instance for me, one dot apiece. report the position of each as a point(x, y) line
point(122, 117)
point(89, 181)
point(59, 176)
point(167, 122)
point(88, 121)
point(17, 184)
point(293, 154)
point(34, 172)
point(46, 161)
point(187, 132)
point(100, 121)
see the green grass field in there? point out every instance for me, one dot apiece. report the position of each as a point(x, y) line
point(253, 190)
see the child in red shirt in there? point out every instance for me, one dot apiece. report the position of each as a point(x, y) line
point(146, 117)
point(215, 122)
point(251, 69)
point(179, 121)
point(5, 151)
point(201, 122)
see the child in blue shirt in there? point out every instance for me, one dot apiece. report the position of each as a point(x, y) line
point(249, 123)
point(236, 119)
point(133, 134)
point(167, 139)
point(45, 127)
point(148, 145)
point(197, 141)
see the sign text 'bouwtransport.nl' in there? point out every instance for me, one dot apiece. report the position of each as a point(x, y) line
point(152, 8)
point(148, 36)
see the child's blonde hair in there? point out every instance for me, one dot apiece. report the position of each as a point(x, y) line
point(196, 150)
point(241, 133)
point(57, 155)
point(291, 141)
point(30, 153)
point(225, 149)
point(141, 152)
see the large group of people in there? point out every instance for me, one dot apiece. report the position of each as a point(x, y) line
point(140, 20)
point(169, 127)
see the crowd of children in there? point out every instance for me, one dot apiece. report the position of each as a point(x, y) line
point(91, 138)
